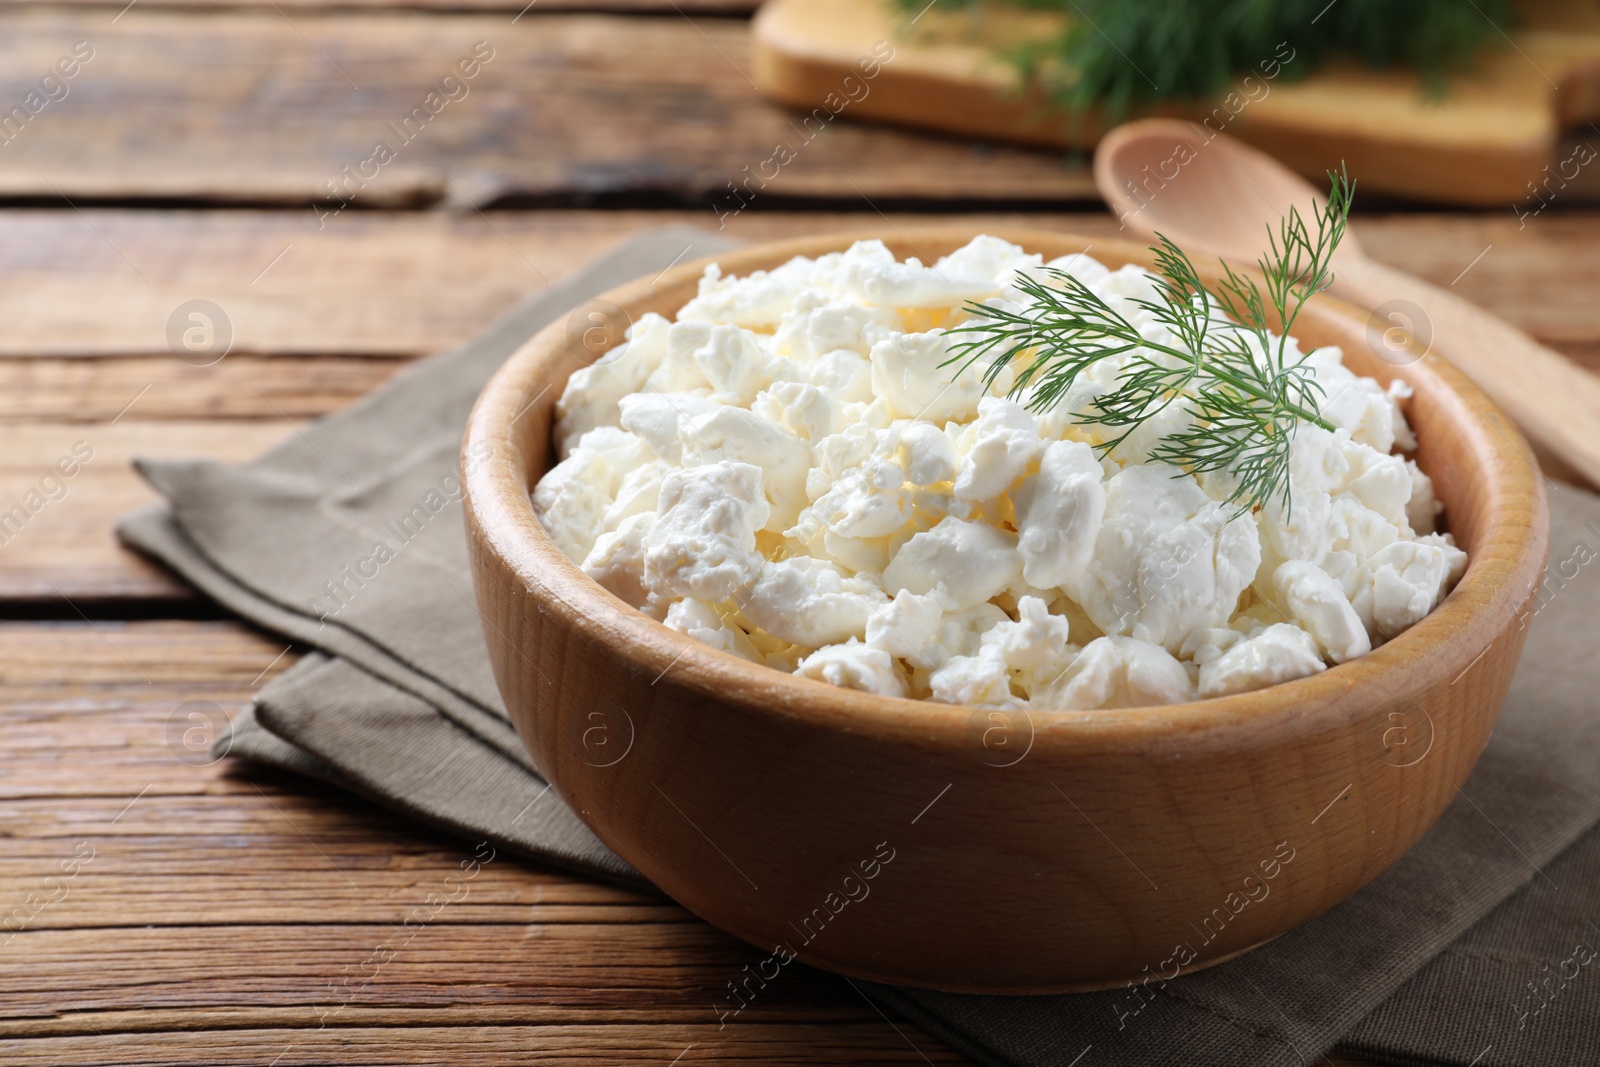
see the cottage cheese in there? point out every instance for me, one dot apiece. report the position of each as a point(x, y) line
point(792, 471)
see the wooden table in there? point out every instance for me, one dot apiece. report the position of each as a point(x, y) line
point(167, 910)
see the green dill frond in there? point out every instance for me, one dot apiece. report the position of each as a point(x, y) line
point(1245, 393)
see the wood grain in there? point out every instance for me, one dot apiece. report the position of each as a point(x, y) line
point(94, 391)
point(178, 940)
point(264, 107)
point(408, 284)
point(839, 1045)
point(66, 548)
point(179, 920)
point(371, 284)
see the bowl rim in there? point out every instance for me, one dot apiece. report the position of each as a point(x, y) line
point(1502, 570)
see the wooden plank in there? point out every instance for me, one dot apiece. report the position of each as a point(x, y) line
point(65, 548)
point(544, 1046)
point(371, 284)
point(96, 390)
point(408, 284)
point(224, 914)
point(261, 106)
point(1536, 274)
point(221, 898)
point(440, 960)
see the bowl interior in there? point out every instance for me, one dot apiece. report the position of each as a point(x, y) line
point(1482, 469)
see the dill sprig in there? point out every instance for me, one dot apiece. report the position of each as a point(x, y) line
point(1120, 55)
point(1228, 360)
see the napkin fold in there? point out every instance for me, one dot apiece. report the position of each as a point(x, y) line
point(1480, 948)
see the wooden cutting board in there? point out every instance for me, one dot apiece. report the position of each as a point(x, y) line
point(1491, 139)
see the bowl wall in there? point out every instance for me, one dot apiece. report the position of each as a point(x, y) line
point(975, 850)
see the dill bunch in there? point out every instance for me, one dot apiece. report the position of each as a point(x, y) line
point(1119, 55)
point(1246, 393)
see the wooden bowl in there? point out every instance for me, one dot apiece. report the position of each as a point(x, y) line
point(967, 849)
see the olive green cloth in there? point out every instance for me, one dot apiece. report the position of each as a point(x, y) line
point(1478, 948)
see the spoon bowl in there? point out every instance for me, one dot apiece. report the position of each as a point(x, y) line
point(1204, 190)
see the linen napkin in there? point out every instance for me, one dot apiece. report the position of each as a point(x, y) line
point(1479, 949)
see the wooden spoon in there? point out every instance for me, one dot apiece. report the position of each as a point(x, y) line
point(1216, 196)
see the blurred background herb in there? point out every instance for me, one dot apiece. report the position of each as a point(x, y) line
point(1119, 55)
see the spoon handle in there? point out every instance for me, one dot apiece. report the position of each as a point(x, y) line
point(1554, 401)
